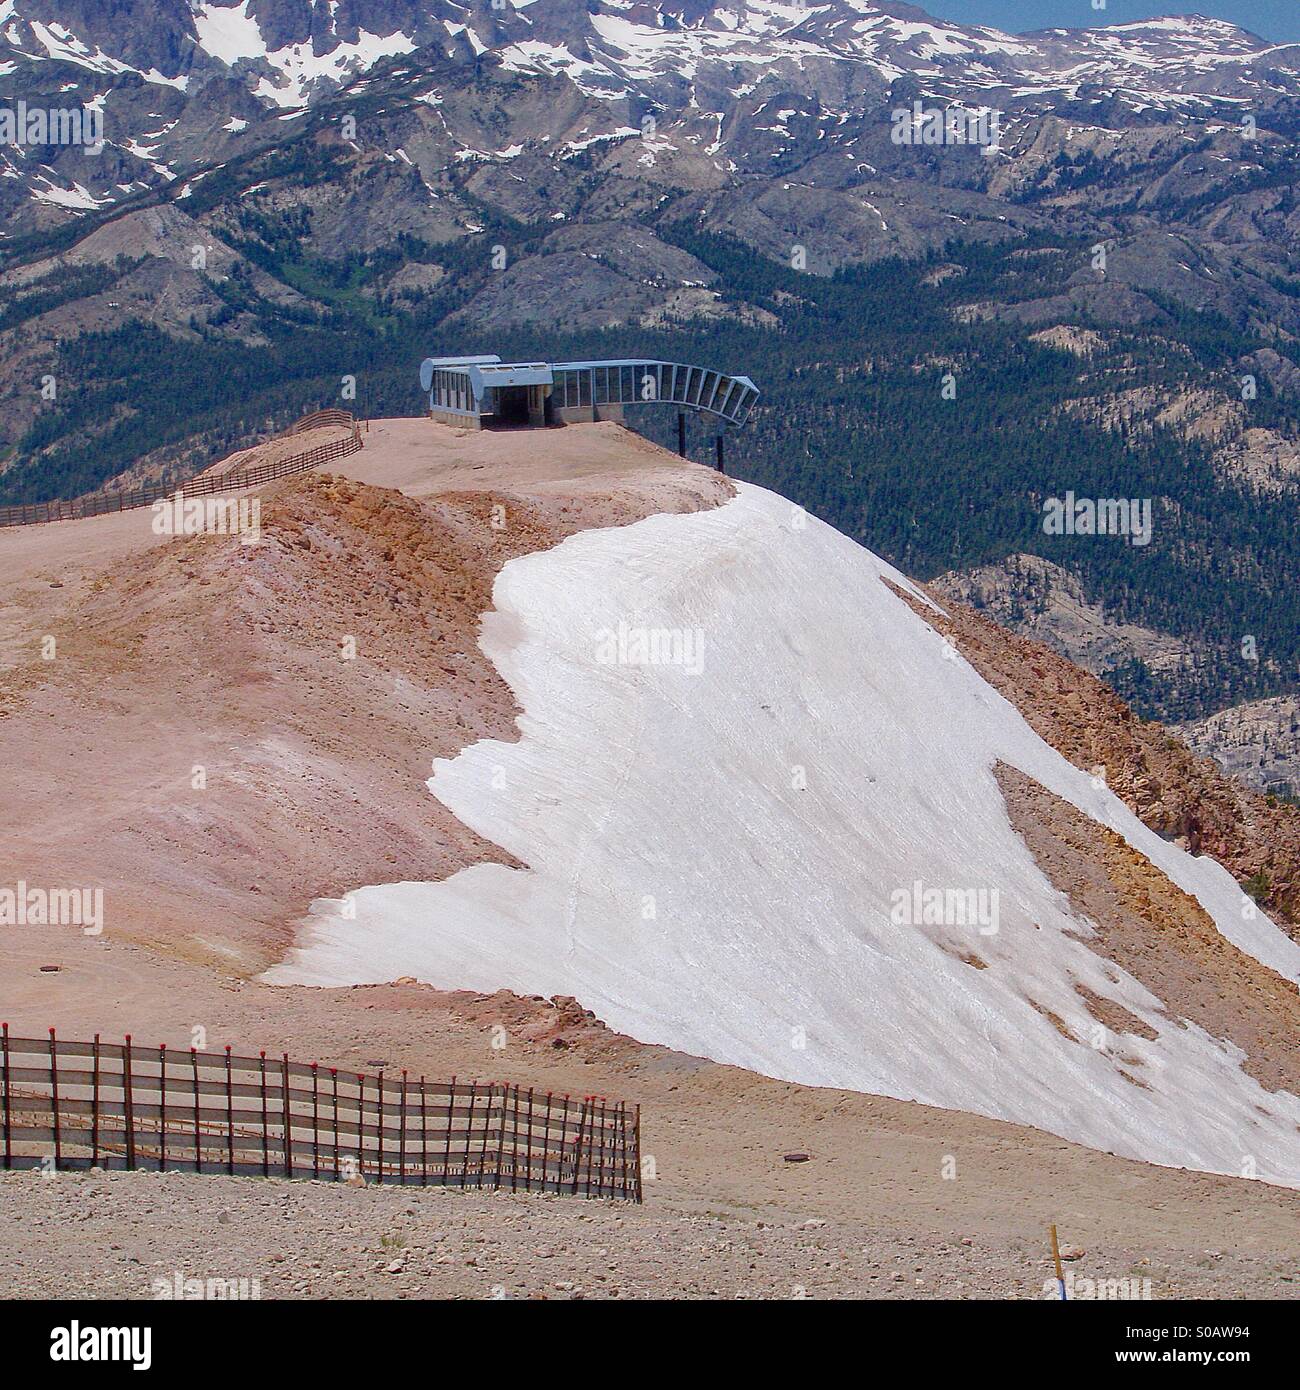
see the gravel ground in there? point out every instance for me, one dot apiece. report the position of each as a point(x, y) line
point(113, 1235)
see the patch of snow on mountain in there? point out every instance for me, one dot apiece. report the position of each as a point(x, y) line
point(713, 849)
point(299, 67)
point(533, 55)
point(60, 43)
point(77, 197)
point(228, 32)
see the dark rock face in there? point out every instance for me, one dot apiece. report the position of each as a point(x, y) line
point(144, 34)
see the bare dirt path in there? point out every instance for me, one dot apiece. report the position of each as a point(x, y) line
point(113, 1236)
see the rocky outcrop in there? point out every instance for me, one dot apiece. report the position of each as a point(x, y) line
point(1160, 935)
point(1038, 599)
point(1258, 742)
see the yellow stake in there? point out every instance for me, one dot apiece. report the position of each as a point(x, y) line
point(1056, 1255)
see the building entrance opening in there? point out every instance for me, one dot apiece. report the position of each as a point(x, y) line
point(512, 405)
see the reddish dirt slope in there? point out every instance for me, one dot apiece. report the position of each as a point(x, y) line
point(227, 730)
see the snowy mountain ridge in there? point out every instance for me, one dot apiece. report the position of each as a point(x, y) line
point(750, 89)
point(621, 48)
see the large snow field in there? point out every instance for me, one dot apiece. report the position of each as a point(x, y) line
point(716, 846)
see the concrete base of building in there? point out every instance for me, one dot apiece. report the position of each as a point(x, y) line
point(456, 419)
point(586, 414)
point(563, 415)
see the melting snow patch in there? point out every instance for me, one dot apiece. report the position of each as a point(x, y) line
point(77, 197)
point(228, 32)
point(718, 830)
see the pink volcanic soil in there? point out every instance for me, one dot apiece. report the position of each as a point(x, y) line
point(208, 752)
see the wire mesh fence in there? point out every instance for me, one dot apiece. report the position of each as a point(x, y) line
point(95, 1104)
point(100, 503)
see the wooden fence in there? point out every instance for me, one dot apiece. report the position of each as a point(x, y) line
point(331, 415)
point(98, 503)
point(97, 1104)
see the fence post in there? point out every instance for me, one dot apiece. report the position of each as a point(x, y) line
point(546, 1143)
point(636, 1155)
point(451, 1120)
point(288, 1123)
point(230, 1116)
point(379, 1128)
point(594, 1140)
point(315, 1120)
point(334, 1078)
point(514, 1140)
point(361, 1124)
point(54, 1100)
point(401, 1132)
point(9, 1146)
point(469, 1131)
point(424, 1136)
point(94, 1104)
point(596, 1152)
point(501, 1136)
point(487, 1125)
point(577, 1159)
point(198, 1116)
point(162, 1107)
point(266, 1152)
point(528, 1144)
point(128, 1101)
point(622, 1141)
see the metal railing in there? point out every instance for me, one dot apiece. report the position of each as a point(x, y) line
point(578, 385)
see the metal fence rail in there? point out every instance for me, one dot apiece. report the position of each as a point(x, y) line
point(99, 503)
point(96, 1104)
